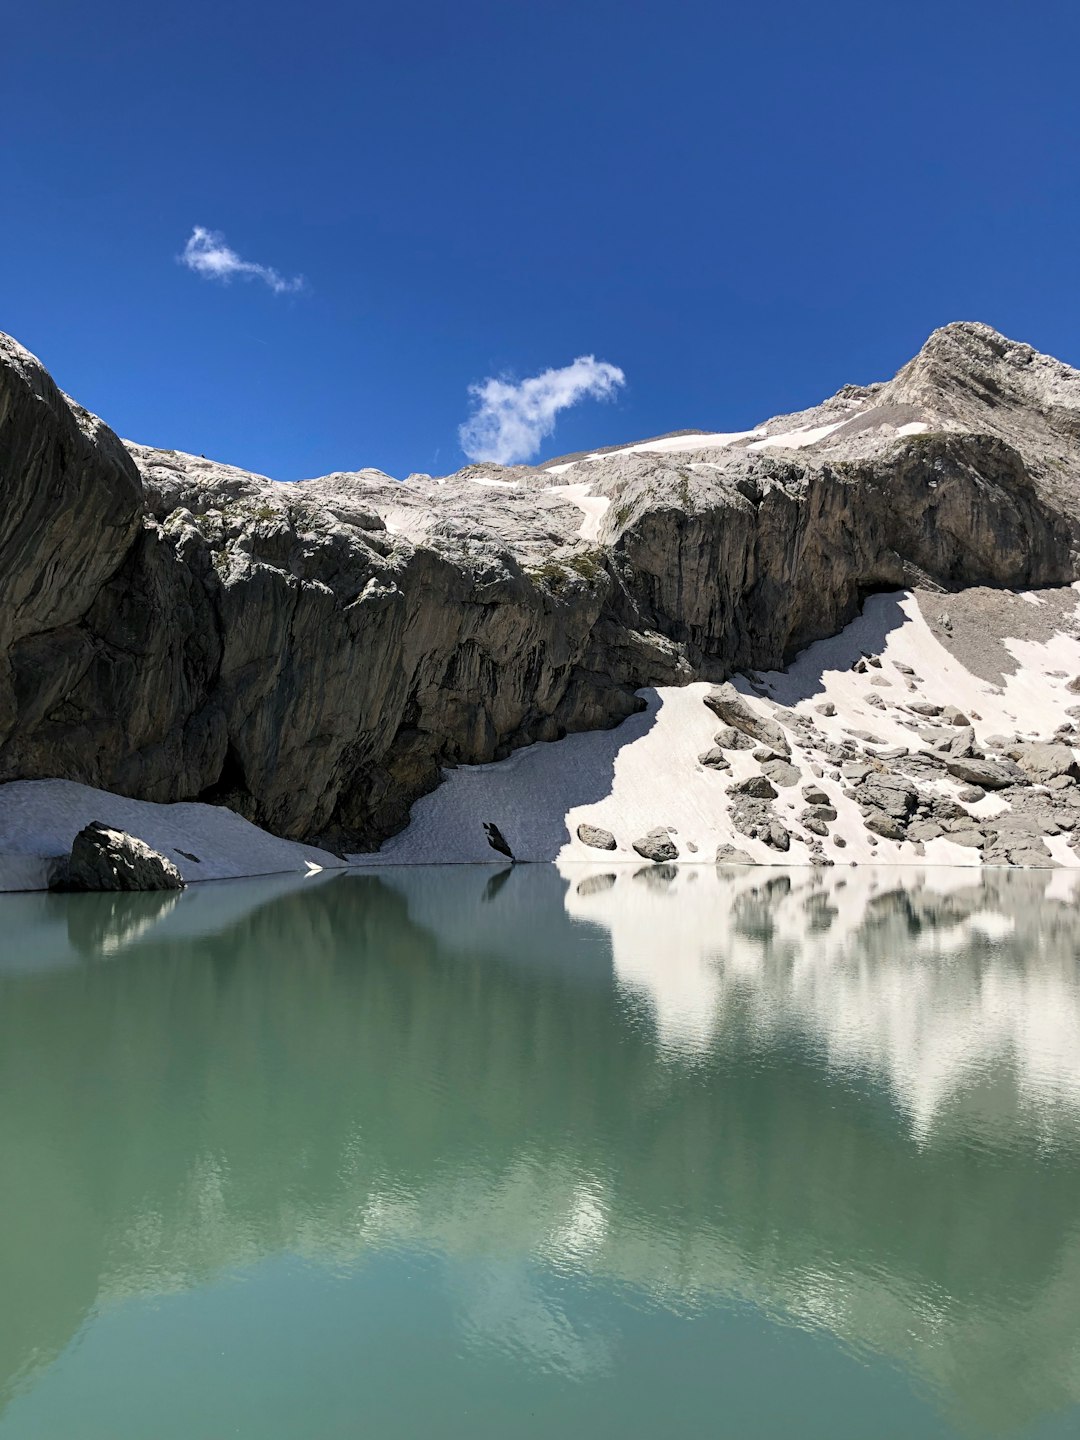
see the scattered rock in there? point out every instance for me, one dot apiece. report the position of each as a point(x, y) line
point(904, 669)
point(731, 707)
point(884, 825)
point(781, 773)
point(814, 795)
point(924, 707)
point(657, 846)
point(987, 774)
point(876, 702)
point(828, 708)
point(971, 794)
point(596, 837)
point(714, 759)
point(729, 855)
point(856, 770)
point(728, 738)
point(1044, 762)
point(952, 716)
point(756, 786)
point(924, 830)
point(106, 859)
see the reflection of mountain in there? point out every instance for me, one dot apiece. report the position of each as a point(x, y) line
point(326, 1075)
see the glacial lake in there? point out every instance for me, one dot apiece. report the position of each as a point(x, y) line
point(469, 1152)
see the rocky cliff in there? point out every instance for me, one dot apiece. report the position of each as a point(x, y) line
point(313, 654)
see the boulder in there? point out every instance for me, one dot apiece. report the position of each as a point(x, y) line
point(756, 786)
point(596, 837)
point(1042, 763)
point(714, 759)
point(729, 855)
point(987, 774)
point(781, 773)
point(106, 859)
point(728, 738)
point(733, 708)
point(657, 846)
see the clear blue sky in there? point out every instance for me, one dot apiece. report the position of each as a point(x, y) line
point(742, 206)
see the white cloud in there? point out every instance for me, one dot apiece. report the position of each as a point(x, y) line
point(208, 255)
point(509, 421)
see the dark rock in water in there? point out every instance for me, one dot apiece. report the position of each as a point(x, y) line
point(598, 838)
point(106, 859)
point(497, 840)
point(657, 846)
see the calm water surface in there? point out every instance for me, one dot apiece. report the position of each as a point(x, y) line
point(472, 1153)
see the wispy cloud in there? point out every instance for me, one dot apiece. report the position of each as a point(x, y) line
point(510, 420)
point(208, 255)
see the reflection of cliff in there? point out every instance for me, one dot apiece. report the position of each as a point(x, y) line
point(327, 1076)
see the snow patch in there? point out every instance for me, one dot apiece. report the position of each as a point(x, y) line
point(39, 819)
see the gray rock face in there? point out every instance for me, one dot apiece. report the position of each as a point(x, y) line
point(313, 654)
point(106, 859)
point(596, 837)
point(657, 846)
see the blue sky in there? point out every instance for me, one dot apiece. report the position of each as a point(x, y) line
point(741, 207)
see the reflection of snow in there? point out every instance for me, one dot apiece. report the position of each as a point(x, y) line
point(930, 988)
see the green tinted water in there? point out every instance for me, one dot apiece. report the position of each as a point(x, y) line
point(468, 1153)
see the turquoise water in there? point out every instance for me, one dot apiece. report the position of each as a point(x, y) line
point(474, 1153)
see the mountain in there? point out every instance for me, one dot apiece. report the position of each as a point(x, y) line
point(315, 654)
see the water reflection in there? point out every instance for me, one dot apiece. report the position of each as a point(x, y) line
point(848, 1099)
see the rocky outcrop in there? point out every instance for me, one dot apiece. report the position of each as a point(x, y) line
point(314, 654)
point(105, 859)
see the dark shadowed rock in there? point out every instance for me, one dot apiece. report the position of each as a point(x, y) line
point(497, 840)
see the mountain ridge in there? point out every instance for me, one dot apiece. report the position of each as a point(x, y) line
point(315, 653)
